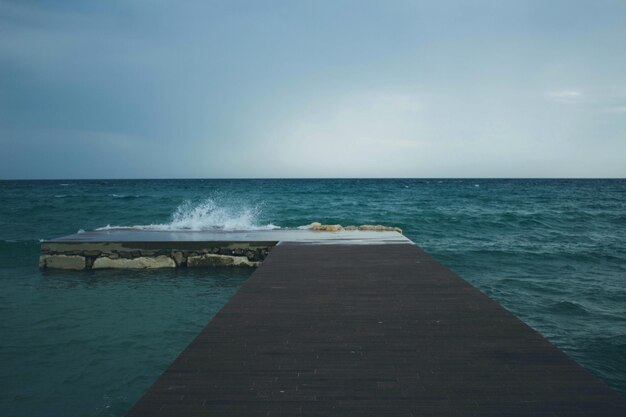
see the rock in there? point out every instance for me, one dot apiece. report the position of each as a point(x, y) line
point(337, 227)
point(219, 260)
point(74, 262)
point(92, 253)
point(380, 228)
point(179, 258)
point(130, 254)
point(135, 263)
point(209, 260)
point(325, 227)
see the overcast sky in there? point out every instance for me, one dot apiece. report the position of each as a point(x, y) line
point(161, 89)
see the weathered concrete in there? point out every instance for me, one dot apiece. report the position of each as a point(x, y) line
point(134, 263)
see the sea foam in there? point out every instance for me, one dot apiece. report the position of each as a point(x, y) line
point(209, 214)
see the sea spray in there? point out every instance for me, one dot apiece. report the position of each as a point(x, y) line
point(209, 214)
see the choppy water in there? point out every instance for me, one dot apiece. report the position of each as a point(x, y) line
point(551, 251)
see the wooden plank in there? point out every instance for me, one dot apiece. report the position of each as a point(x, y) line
point(370, 330)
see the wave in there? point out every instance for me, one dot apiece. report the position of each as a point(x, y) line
point(125, 196)
point(209, 214)
point(568, 308)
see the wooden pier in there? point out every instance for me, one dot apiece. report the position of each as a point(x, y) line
point(369, 330)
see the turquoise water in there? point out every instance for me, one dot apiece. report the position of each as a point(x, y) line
point(551, 251)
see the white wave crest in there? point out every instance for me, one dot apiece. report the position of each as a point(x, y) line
point(208, 215)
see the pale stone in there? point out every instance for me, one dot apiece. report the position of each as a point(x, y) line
point(325, 227)
point(219, 260)
point(380, 228)
point(337, 227)
point(178, 257)
point(74, 262)
point(135, 263)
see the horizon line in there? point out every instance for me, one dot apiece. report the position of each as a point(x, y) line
point(308, 178)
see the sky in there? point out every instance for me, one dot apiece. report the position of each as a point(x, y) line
point(247, 89)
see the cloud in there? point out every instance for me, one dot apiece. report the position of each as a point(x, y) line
point(364, 121)
point(566, 96)
point(395, 143)
point(596, 99)
point(119, 88)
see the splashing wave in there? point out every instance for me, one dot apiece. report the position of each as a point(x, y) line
point(208, 215)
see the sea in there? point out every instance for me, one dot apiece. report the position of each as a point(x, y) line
point(75, 343)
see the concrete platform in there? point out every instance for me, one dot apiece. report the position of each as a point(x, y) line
point(140, 249)
point(351, 237)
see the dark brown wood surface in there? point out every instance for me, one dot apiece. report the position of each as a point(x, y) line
point(370, 330)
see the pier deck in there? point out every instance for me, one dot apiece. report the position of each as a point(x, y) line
point(369, 330)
